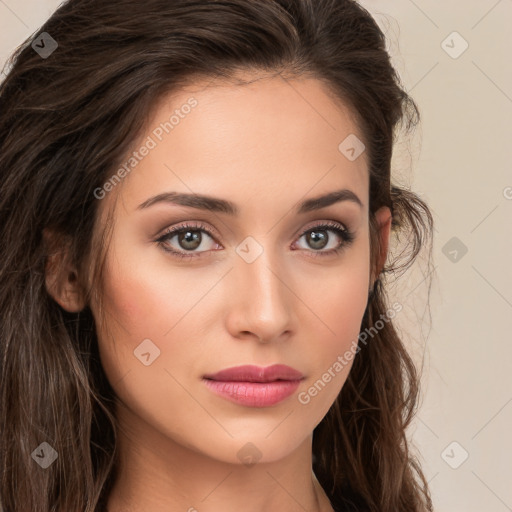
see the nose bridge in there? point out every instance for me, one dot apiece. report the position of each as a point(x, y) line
point(260, 284)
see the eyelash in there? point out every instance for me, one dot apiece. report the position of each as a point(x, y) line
point(346, 235)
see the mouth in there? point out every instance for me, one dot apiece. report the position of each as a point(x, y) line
point(254, 386)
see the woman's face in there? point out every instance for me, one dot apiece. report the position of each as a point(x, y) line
point(258, 286)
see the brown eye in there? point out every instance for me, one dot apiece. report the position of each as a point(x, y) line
point(189, 238)
point(317, 239)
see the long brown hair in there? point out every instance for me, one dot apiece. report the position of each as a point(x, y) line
point(67, 120)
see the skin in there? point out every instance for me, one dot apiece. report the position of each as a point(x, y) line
point(265, 146)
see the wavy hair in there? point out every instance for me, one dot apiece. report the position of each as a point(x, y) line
point(68, 119)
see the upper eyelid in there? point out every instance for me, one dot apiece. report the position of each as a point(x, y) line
point(200, 225)
point(173, 230)
point(331, 224)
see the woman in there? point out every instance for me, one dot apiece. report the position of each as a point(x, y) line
point(196, 208)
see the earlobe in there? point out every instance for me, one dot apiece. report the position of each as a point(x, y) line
point(61, 278)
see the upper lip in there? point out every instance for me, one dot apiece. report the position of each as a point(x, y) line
point(251, 373)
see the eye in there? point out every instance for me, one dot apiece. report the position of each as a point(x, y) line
point(189, 238)
point(318, 238)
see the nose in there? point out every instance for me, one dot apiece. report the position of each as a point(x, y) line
point(261, 302)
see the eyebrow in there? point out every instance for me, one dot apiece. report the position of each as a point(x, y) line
point(214, 204)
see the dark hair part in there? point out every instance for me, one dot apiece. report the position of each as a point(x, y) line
point(66, 123)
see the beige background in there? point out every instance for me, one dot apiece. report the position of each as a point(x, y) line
point(459, 162)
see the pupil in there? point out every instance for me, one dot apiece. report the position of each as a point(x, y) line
point(191, 239)
point(319, 238)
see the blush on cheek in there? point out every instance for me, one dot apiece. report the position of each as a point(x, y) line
point(129, 309)
point(125, 293)
point(140, 308)
point(344, 313)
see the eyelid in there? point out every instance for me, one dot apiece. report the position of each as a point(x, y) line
point(315, 224)
point(200, 225)
point(192, 224)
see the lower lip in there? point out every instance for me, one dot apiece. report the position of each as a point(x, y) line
point(254, 394)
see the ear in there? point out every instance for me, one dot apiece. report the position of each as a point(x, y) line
point(383, 218)
point(61, 277)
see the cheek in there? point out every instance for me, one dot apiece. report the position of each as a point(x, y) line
point(132, 313)
point(339, 302)
point(139, 299)
point(140, 308)
point(145, 300)
point(340, 299)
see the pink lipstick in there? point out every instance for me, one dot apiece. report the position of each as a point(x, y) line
point(255, 386)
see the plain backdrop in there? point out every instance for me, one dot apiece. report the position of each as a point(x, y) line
point(452, 59)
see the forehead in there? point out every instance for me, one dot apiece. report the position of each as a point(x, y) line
point(266, 137)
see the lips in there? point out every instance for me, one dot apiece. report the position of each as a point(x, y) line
point(251, 373)
point(254, 386)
